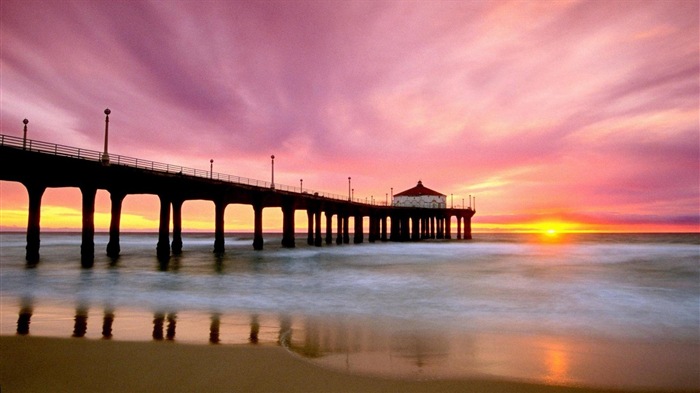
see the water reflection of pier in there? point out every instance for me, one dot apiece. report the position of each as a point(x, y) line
point(374, 348)
point(165, 324)
point(308, 337)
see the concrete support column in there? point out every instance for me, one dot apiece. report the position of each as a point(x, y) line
point(448, 227)
point(377, 227)
point(346, 229)
point(310, 234)
point(339, 226)
point(384, 231)
point(394, 233)
point(467, 228)
point(163, 247)
point(415, 228)
point(318, 241)
point(35, 193)
point(257, 234)
point(87, 246)
point(432, 227)
point(440, 228)
point(219, 209)
point(400, 227)
point(329, 228)
point(176, 245)
point(113, 247)
point(459, 227)
point(359, 237)
point(288, 223)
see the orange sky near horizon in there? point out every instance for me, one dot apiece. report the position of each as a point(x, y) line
point(569, 115)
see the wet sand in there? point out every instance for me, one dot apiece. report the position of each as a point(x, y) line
point(38, 364)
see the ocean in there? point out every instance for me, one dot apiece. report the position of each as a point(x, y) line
point(620, 310)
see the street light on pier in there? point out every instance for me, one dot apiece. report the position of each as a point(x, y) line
point(349, 194)
point(353, 194)
point(453, 201)
point(273, 172)
point(105, 156)
point(211, 168)
point(392, 196)
point(24, 140)
point(301, 185)
point(386, 199)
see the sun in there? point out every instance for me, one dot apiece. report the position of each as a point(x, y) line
point(551, 232)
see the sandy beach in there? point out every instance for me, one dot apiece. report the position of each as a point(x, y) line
point(36, 364)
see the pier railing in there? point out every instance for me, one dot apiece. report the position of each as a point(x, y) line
point(114, 159)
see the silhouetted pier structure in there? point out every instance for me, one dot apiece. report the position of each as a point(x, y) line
point(40, 165)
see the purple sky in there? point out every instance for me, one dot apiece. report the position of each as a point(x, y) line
point(570, 111)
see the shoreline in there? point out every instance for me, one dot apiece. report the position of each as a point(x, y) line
point(517, 316)
point(30, 364)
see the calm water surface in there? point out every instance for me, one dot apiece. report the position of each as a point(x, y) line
point(517, 306)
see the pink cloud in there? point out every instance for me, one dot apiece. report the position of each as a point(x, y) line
point(562, 101)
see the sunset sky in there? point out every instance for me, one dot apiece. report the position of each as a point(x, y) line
point(566, 115)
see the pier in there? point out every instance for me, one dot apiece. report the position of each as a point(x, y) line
point(40, 165)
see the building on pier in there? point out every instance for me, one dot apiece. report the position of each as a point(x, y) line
point(421, 196)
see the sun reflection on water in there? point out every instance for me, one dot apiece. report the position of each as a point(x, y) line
point(557, 365)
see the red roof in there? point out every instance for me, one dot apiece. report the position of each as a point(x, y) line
point(419, 190)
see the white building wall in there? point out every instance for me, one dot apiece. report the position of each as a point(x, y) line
point(426, 201)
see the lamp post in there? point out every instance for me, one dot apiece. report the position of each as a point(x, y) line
point(452, 196)
point(386, 199)
point(273, 171)
point(470, 201)
point(24, 140)
point(211, 168)
point(392, 196)
point(349, 195)
point(105, 156)
point(301, 185)
point(353, 194)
